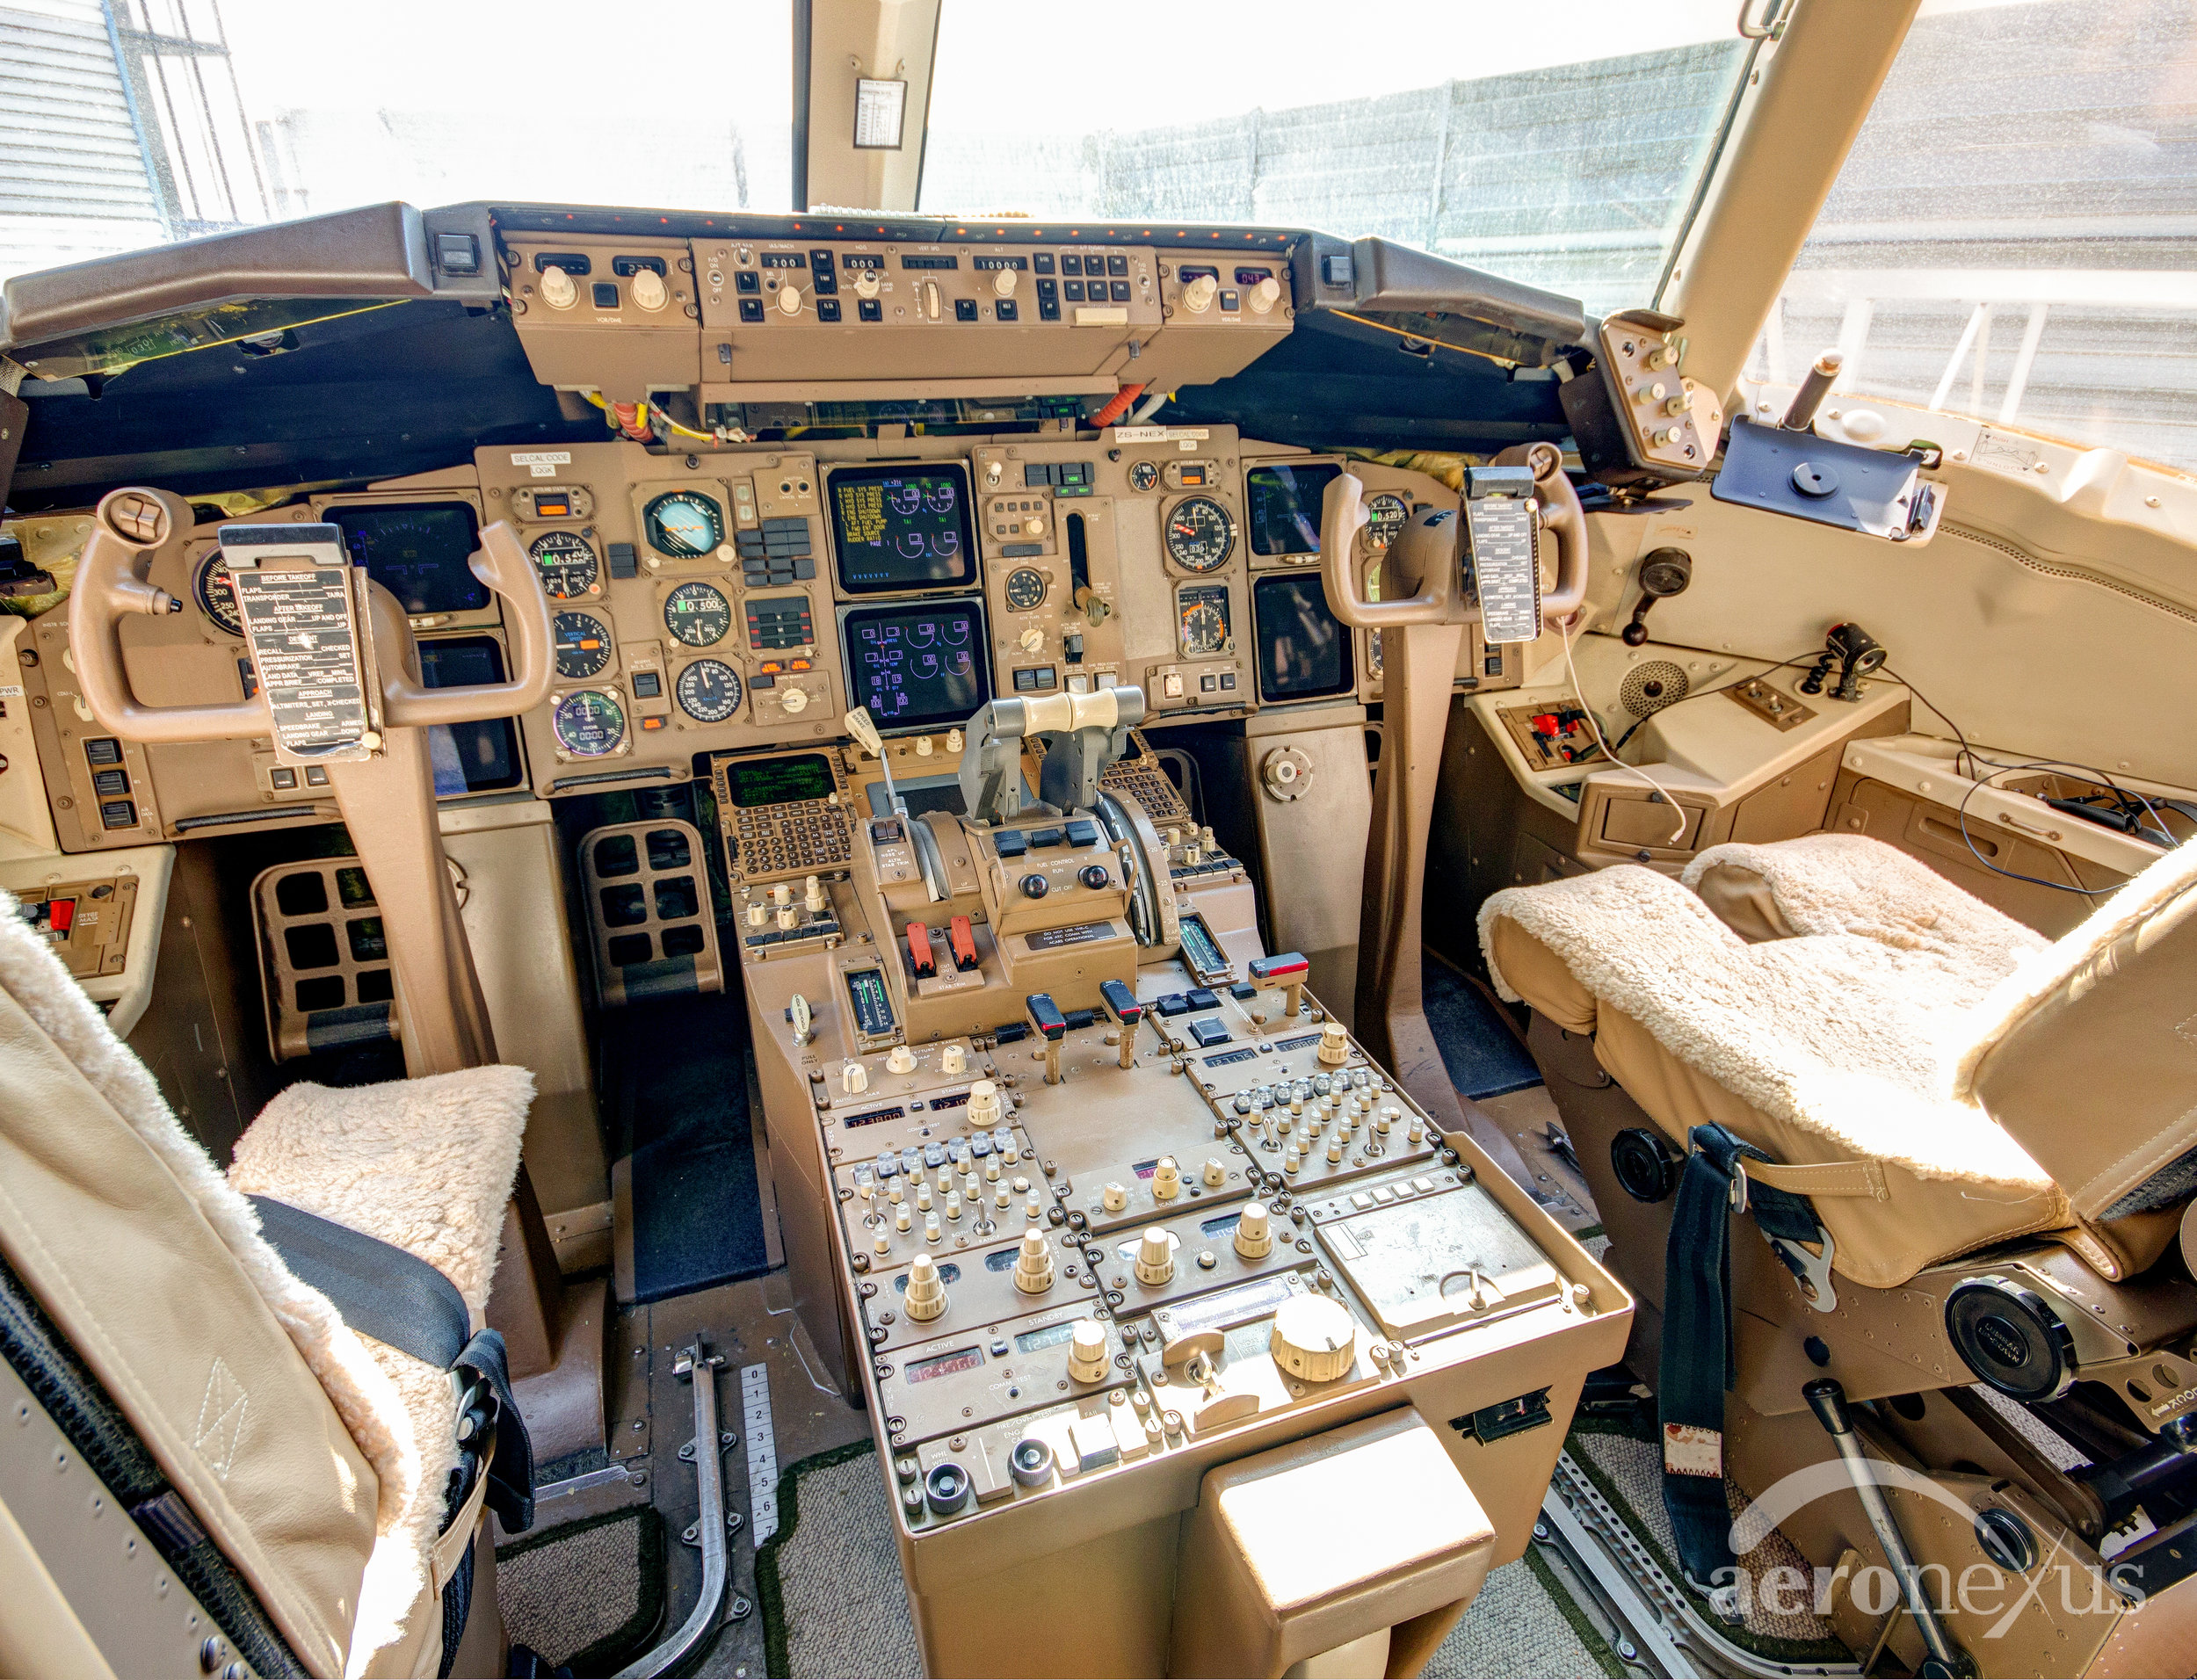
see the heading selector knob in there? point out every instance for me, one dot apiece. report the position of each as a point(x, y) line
point(1266, 294)
point(866, 283)
point(1313, 1339)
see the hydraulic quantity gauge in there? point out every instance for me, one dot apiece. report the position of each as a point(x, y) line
point(589, 724)
point(698, 614)
point(566, 563)
point(1026, 588)
point(1203, 609)
point(217, 597)
point(683, 525)
point(583, 645)
point(1386, 516)
point(1201, 536)
point(709, 691)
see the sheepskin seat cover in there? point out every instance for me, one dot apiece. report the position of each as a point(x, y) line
point(425, 1165)
point(1835, 1045)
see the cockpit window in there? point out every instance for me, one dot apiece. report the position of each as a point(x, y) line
point(186, 117)
point(1564, 152)
point(2011, 237)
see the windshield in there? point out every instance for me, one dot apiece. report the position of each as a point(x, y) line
point(138, 121)
point(1561, 148)
point(2014, 235)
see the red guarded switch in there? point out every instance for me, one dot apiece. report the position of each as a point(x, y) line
point(919, 951)
point(60, 915)
point(961, 940)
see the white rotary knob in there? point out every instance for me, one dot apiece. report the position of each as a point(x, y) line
point(1002, 283)
point(1215, 1175)
point(983, 1104)
point(557, 289)
point(866, 283)
point(927, 1290)
point(1113, 1199)
point(1253, 1239)
point(789, 300)
point(1197, 297)
point(854, 1078)
point(795, 701)
point(1313, 1339)
point(1155, 1257)
point(953, 1058)
point(647, 289)
point(1087, 1351)
point(1034, 1264)
point(1166, 1180)
point(1266, 294)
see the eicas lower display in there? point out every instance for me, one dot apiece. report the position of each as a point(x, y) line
point(918, 667)
point(902, 528)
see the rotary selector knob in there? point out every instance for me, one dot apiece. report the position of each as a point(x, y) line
point(900, 1061)
point(789, 300)
point(983, 1104)
point(1287, 775)
point(1197, 297)
point(1002, 283)
point(812, 894)
point(953, 1058)
point(1334, 1045)
point(927, 1290)
point(1035, 887)
point(1266, 294)
point(854, 1078)
point(557, 289)
point(1215, 1175)
point(1313, 1339)
point(1155, 1257)
point(1166, 1180)
point(795, 700)
point(866, 283)
point(1113, 1199)
point(1032, 641)
point(1087, 1351)
point(1034, 1264)
point(1253, 1239)
point(647, 289)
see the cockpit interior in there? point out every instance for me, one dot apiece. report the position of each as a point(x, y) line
point(1375, 867)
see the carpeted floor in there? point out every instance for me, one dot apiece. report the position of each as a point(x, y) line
point(696, 1217)
point(1482, 1054)
point(589, 1595)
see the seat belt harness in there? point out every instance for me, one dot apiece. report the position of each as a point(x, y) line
point(399, 1299)
point(1696, 1368)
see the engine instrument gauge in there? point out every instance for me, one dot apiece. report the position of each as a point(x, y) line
point(1385, 517)
point(217, 597)
point(709, 691)
point(1025, 588)
point(1203, 609)
point(683, 525)
point(583, 645)
point(1201, 536)
point(698, 614)
point(589, 723)
point(1143, 474)
point(566, 563)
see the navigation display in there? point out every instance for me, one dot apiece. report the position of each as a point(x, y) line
point(1303, 653)
point(902, 528)
point(1285, 507)
point(918, 667)
point(751, 782)
point(418, 552)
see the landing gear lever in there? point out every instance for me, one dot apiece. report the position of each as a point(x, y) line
point(1827, 1397)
